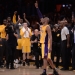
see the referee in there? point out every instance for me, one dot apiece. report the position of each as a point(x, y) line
point(64, 45)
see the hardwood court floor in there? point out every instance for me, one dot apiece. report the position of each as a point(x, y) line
point(31, 71)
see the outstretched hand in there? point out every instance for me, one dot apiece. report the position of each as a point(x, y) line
point(36, 4)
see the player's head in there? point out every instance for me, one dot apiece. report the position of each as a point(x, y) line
point(56, 26)
point(42, 20)
point(8, 23)
point(9, 19)
point(21, 21)
point(15, 12)
point(25, 25)
point(46, 20)
point(4, 21)
point(63, 23)
point(36, 32)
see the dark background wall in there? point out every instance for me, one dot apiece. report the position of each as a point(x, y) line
point(7, 7)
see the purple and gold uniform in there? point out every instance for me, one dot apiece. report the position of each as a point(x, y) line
point(19, 41)
point(2, 31)
point(44, 42)
point(14, 19)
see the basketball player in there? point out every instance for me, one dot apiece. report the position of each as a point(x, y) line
point(14, 17)
point(3, 39)
point(25, 34)
point(19, 26)
point(46, 42)
point(2, 29)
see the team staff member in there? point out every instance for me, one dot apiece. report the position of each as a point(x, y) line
point(26, 44)
point(11, 38)
point(35, 41)
point(56, 44)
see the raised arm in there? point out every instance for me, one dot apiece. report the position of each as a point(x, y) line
point(38, 11)
point(26, 19)
point(16, 25)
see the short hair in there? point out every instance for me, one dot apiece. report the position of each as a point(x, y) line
point(63, 21)
point(8, 17)
point(56, 25)
point(4, 19)
point(36, 29)
point(47, 19)
point(25, 23)
point(21, 19)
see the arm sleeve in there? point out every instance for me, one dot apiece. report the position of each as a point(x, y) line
point(66, 31)
point(39, 13)
point(27, 22)
point(1, 29)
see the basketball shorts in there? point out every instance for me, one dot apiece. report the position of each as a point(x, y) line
point(45, 52)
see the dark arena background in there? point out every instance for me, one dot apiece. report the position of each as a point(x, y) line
point(7, 7)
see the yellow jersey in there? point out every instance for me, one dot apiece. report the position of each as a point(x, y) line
point(2, 31)
point(44, 42)
point(44, 35)
point(25, 40)
point(14, 19)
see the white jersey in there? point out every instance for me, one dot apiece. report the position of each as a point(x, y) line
point(26, 35)
point(64, 32)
